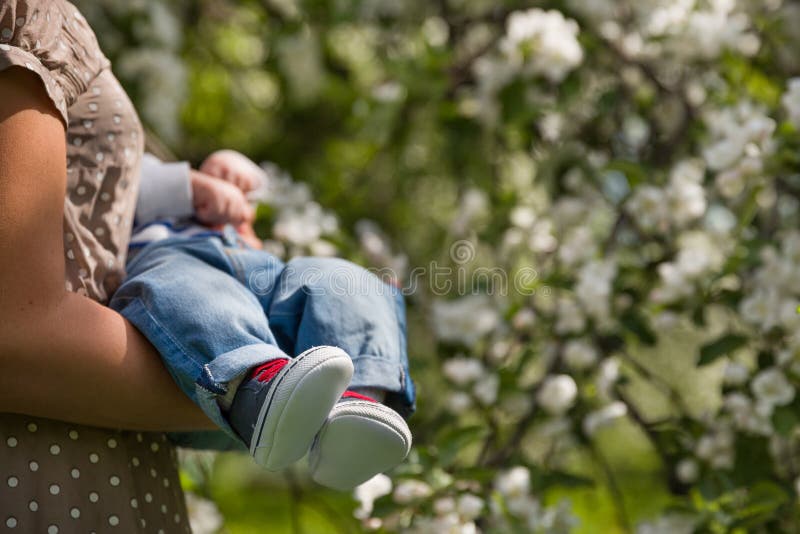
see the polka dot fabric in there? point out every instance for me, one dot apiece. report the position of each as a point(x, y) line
point(63, 478)
point(104, 136)
point(56, 477)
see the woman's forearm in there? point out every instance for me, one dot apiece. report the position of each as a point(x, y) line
point(76, 360)
point(63, 356)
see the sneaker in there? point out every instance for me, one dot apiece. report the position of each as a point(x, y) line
point(360, 439)
point(284, 402)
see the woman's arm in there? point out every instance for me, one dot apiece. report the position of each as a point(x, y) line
point(63, 356)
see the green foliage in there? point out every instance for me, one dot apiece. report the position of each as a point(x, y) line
point(643, 162)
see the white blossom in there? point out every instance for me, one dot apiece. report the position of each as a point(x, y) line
point(650, 209)
point(742, 134)
point(557, 394)
point(607, 376)
point(687, 198)
point(376, 246)
point(444, 505)
point(553, 520)
point(469, 506)
point(716, 448)
point(577, 246)
point(367, 492)
point(442, 524)
point(204, 516)
point(761, 308)
point(302, 226)
point(771, 388)
point(458, 402)
point(791, 101)
point(542, 42)
point(594, 288)
point(411, 490)
point(745, 414)
point(690, 29)
point(474, 206)
point(687, 470)
point(486, 389)
point(570, 317)
point(524, 319)
point(603, 416)
point(579, 354)
point(462, 371)
point(668, 524)
point(464, 320)
point(736, 374)
point(514, 482)
point(636, 131)
point(698, 255)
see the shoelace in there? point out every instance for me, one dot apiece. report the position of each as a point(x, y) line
point(267, 371)
point(353, 395)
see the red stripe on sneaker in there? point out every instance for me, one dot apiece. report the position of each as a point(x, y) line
point(353, 395)
point(267, 371)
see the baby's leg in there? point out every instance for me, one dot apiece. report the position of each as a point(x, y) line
point(328, 301)
point(322, 301)
point(211, 330)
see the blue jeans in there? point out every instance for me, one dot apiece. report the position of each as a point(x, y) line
point(214, 309)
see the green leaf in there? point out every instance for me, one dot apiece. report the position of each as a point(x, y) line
point(563, 479)
point(720, 347)
point(764, 498)
point(453, 441)
point(784, 420)
point(747, 469)
point(634, 172)
point(638, 324)
point(712, 486)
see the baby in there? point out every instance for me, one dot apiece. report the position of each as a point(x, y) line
point(286, 358)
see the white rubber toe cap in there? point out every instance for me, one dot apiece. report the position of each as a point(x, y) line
point(295, 409)
point(359, 440)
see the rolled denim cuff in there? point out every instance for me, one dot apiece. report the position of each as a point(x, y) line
point(376, 372)
point(388, 375)
point(213, 382)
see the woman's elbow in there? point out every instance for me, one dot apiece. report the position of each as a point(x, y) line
point(24, 315)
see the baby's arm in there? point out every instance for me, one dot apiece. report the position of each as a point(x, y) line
point(175, 190)
point(236, 168)
point(239, 170)
point(164, 190)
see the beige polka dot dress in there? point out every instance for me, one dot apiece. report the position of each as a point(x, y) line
point(63, 478)
point(56, 477)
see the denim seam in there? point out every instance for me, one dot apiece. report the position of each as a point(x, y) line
point(373, 357)
point(379, 361)
point(236, 264)
point(400, 343)
point(168, 334)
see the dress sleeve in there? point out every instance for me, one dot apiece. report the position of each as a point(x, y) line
point(13, 56)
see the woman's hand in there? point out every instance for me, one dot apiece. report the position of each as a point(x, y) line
point(235, 168)
point(219, 202)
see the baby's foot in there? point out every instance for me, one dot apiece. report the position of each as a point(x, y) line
point(360, 439)
point(279, 408)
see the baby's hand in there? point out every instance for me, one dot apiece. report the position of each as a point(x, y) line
point(235, 168)
point(217, 202)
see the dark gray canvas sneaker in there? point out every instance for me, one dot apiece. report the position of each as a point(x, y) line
point(279, 408)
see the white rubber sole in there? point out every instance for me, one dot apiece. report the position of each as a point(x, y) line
point(296, 407)
point(359, 440)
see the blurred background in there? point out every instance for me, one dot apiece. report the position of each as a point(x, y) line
point(616, 182)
